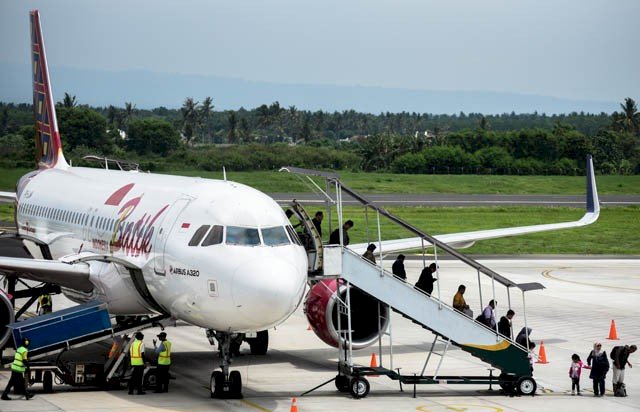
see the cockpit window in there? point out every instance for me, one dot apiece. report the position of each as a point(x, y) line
point(242, 236)
point(197, 237)
point(275, 236)
point(214, 237)
point(294, 236)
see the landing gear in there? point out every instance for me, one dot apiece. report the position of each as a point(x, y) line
point(342, 383)
point(260, 343)
point(224, 384)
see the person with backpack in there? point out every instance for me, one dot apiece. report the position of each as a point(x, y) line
point(620, 356)
point(599, 364)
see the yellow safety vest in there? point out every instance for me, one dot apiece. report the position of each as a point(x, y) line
point(45, 300)
point(164, 358)
point(18, 360)
point(135, 353)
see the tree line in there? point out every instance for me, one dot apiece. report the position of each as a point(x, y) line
point(268, 136)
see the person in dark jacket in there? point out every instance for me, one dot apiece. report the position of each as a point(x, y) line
point(504, 326)
point(426, 280)
point(599, 364)
point(521, 339)
point(398, 268)
point(369, 253)
point(620, 356)
point(317, 222)
point(334, 239)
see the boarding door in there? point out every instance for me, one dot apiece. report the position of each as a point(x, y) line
point(166, 227)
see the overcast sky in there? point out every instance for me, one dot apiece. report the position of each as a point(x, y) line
point(576, 49)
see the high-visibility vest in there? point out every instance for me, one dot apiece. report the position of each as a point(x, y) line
point(164, 358)
point(135, 353)
point(18, 360)
point(45, 300)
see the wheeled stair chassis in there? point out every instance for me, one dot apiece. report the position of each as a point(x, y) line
point(448, 325)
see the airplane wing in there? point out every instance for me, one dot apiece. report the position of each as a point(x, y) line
point(8, 196)
point(69, 275)
point(467, 239)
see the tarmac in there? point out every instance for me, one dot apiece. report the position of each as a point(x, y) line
point(575, 310)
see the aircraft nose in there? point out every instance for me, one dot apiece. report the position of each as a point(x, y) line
point(267, 291)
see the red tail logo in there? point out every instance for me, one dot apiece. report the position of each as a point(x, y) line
point(48, 145)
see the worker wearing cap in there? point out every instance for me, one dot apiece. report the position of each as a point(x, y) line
point(18, 369)
point(164, 362)
point(136, 356)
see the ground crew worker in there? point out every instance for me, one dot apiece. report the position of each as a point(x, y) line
point(18, 369)
point(44, 304)
point(164, 362)
point(136, 356)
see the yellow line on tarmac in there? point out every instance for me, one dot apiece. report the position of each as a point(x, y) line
point(254, 405)
point(547, 274)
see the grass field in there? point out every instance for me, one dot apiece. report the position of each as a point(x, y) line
point(272, 182)
point(616, 232)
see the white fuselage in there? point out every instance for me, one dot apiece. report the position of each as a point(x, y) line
point(245, 273)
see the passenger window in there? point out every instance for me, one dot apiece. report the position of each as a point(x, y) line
point(242, 236)
point(197, 237)
point(275, 236)
point(293, 235)
point(214, 237)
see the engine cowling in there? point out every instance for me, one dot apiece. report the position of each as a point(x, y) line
point(322, 313)
point(7, 316)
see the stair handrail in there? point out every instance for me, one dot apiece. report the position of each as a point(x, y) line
point(424, 294)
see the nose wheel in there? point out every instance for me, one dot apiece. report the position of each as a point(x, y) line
point(224, 384)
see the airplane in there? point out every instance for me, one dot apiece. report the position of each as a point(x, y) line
point(213, 253)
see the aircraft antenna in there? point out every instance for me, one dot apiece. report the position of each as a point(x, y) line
point(224, 173)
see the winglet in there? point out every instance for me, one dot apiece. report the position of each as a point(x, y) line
point(593, 204)
point(48, 144)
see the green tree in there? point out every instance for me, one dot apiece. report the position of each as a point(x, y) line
point(68, 100)
point(233, 124)
point(629, 119)
point(190, 116)
point(152, 136)
point(83, 126)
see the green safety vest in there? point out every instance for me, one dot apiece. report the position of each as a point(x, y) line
point(135, 353)
point(164, 358)
point(18, 360)
point(45, 300)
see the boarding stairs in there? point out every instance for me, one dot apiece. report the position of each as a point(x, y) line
point(427, 311)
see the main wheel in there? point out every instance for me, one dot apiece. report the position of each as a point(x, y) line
point(47, 382)
point(235, 385)
point(216, 385)
point(359, 387)
point(342, 383)
point(526, 386)
point(260, 343)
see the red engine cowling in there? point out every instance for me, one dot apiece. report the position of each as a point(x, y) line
point(6, 317)
point(322, 313)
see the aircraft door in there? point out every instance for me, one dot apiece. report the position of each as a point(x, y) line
point(166, 226)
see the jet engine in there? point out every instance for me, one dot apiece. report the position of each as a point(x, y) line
point(321, 308)
point(6, 317)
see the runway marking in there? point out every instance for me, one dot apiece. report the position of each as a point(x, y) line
point(254, 405)
point(547, 274)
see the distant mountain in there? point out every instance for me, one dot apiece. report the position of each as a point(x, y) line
point(151, 89)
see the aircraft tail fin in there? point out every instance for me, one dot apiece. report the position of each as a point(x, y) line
point(47, 138)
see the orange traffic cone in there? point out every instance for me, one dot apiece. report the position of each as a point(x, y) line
point(613, 334)
point(374, 360)
point(294, 407)
point(542, 355)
